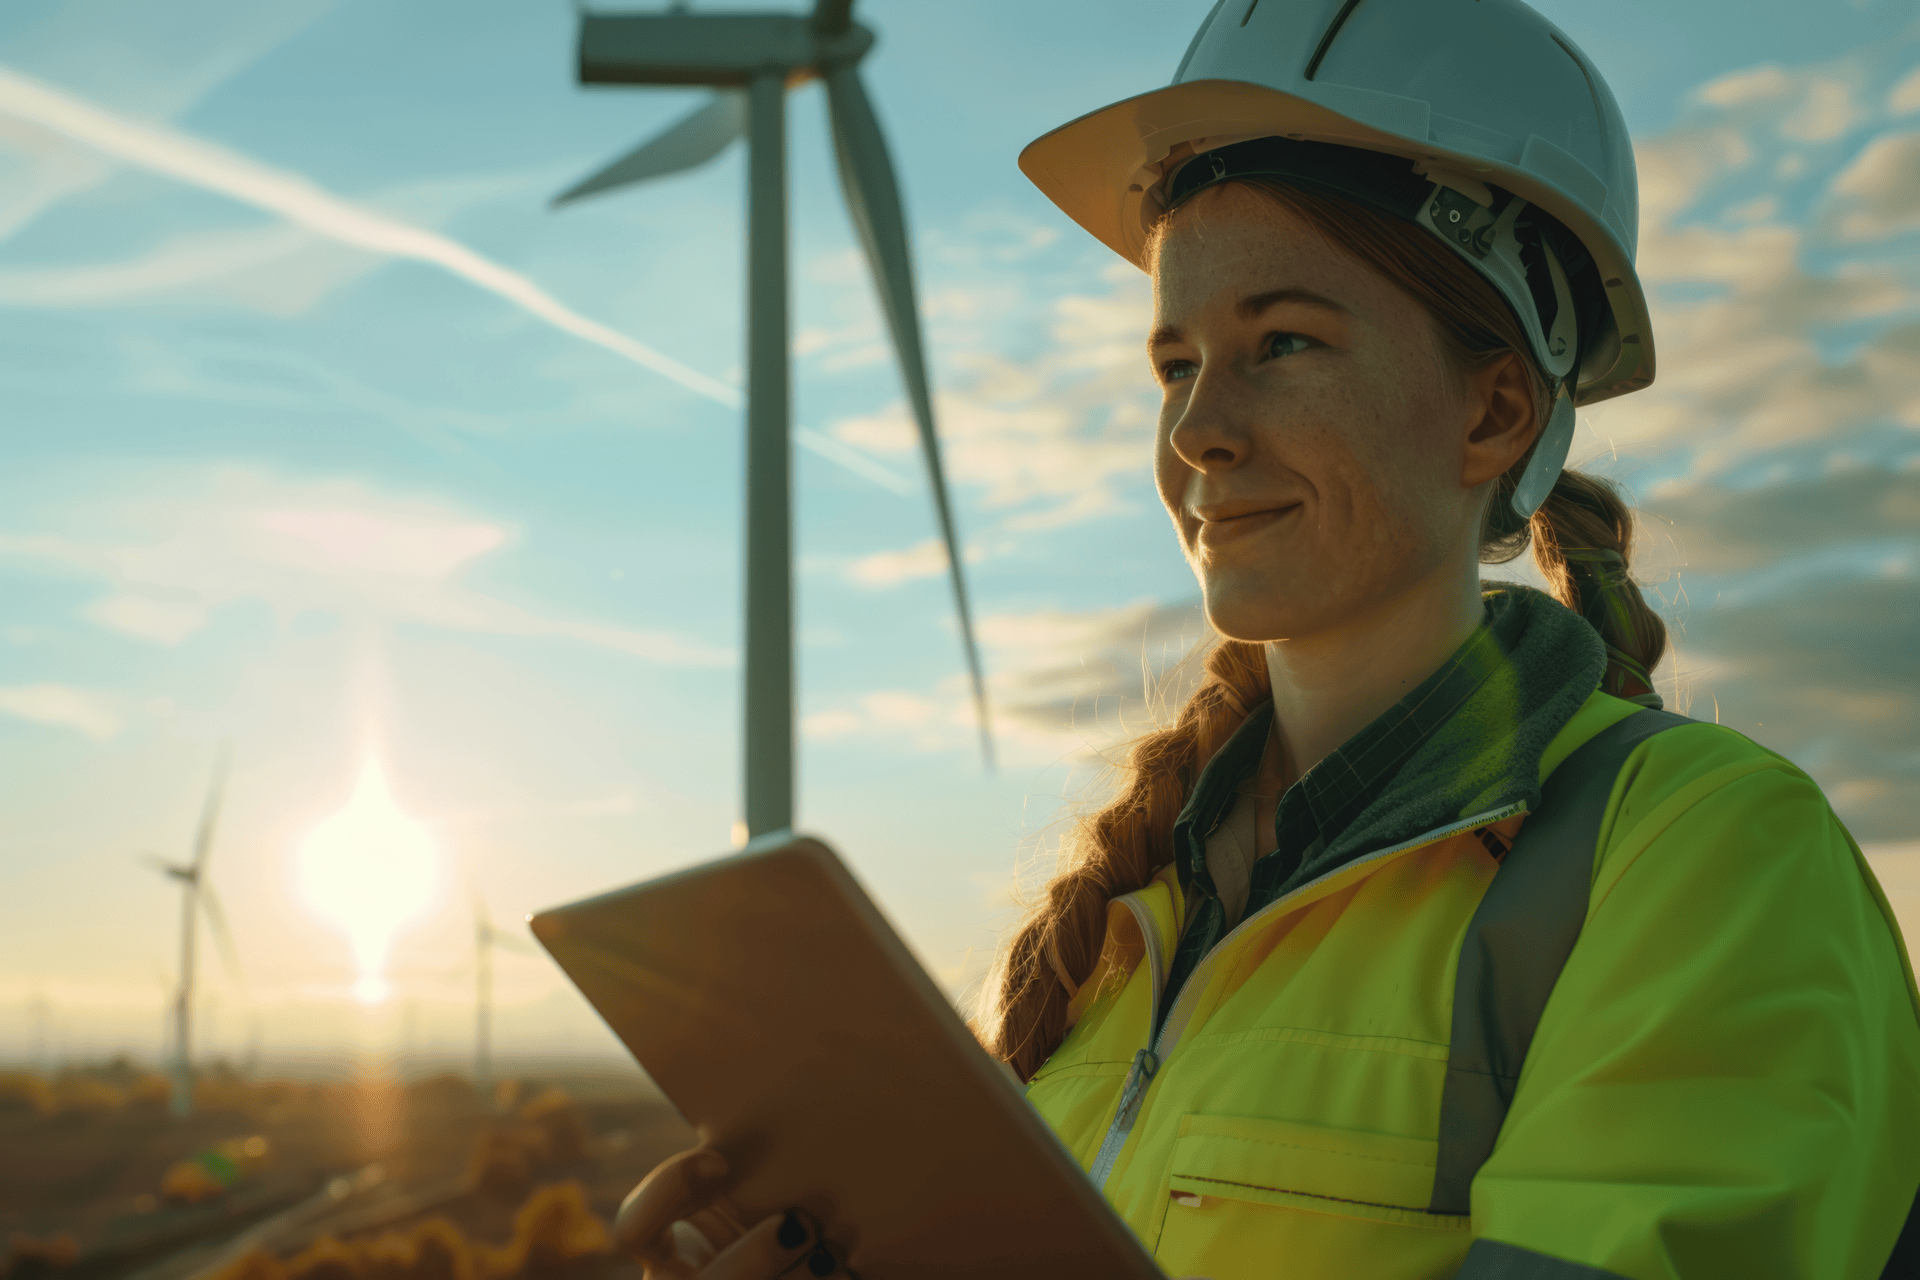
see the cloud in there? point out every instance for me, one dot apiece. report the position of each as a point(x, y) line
point(303, 203)
point(1052, 439)
point(194, 543)
point(891, 568)
point(160, 621)
point(1897, 867)
point(1878, 195)
point(1739, 88)
point(926, 559)
point(279, 270)
point(1737, 531)
point(1827, 111)
point(1096, 676)
point(1744, 299)
point(1807, 599)
point(89, 712)
point(1905, 96)
point(1065, 685)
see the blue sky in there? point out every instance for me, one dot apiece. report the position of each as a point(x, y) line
point(269, 485)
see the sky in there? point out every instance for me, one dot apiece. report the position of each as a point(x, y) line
point(327, 440)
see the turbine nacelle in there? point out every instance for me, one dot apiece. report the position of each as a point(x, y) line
point(715, 49)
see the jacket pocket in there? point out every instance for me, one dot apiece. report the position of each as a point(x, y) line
point(1334, 1201)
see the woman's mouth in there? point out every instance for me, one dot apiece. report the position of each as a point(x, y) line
point(1215, 534)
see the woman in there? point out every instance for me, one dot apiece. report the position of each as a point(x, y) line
point(1418, 945)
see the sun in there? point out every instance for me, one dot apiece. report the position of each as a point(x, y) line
point(369, 869)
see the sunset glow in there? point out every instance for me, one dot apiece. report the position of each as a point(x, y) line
point(369, 869)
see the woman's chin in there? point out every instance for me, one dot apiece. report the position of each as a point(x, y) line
point(1254, 616)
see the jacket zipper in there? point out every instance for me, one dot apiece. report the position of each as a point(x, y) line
point(1146, 1063)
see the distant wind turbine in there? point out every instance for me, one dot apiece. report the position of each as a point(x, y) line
point(197, 899)
point(486, 936)
point(750, 60)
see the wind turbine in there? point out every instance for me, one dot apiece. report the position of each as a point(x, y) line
point(751, 60)
point(197, 899)
point(485, 938)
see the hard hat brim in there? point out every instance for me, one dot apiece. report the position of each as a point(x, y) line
point(1103, 168)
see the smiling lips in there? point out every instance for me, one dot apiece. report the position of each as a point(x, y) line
point(1226, 524)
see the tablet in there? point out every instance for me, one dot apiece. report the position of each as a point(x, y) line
point(776, 1008)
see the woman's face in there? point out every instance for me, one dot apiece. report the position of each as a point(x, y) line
point(1316, 446)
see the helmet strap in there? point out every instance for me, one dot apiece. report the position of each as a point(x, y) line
point(1549, 456)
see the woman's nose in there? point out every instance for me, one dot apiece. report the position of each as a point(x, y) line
point(1209, 434)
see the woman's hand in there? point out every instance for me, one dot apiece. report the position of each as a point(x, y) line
point(677, 1224)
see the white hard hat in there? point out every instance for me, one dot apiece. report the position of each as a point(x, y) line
point(1475, 113)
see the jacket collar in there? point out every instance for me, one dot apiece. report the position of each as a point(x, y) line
point(1467, 741)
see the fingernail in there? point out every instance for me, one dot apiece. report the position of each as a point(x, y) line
point(820, 1262)
point(792, 1233)
point(709, 1165)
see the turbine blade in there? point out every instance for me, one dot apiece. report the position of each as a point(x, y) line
point(222, 937)
point(210, 813)
point(693, 140)
point(831, 17)
point(873, 198)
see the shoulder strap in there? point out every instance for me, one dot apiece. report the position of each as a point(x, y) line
point(1516, 945)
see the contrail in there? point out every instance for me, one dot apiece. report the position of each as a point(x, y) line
point(300, 201)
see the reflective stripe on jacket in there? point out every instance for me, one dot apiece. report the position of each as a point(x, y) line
point(1725, 1081)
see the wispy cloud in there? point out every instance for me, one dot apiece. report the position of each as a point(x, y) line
point(96, 715)
point(184, 261)
point(173, 556)
point(1054, 435)
point(304, 203)
point(925, 559)
point(1066, 685)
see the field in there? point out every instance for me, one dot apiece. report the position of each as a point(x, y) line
point(346, 1180)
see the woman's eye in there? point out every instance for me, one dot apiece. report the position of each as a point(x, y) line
point(1287, 344)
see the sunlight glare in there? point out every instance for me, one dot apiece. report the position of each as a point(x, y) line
point(369, 869)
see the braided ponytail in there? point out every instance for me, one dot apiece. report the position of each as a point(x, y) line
point(1113, 852)
point(1582, 538)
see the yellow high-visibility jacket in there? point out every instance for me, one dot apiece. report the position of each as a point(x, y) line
point(1725, 1081)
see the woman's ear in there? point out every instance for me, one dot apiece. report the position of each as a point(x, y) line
point(1502, 419)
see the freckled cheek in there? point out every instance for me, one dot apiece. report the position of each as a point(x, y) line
point(1356, 521)
point(1171, 476)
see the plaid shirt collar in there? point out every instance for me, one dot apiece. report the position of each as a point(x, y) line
point(1327, 799)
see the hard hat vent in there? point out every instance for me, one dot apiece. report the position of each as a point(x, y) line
point(1326, 37)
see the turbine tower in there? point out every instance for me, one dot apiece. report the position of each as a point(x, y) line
point(197, 899)
point(751, 60)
